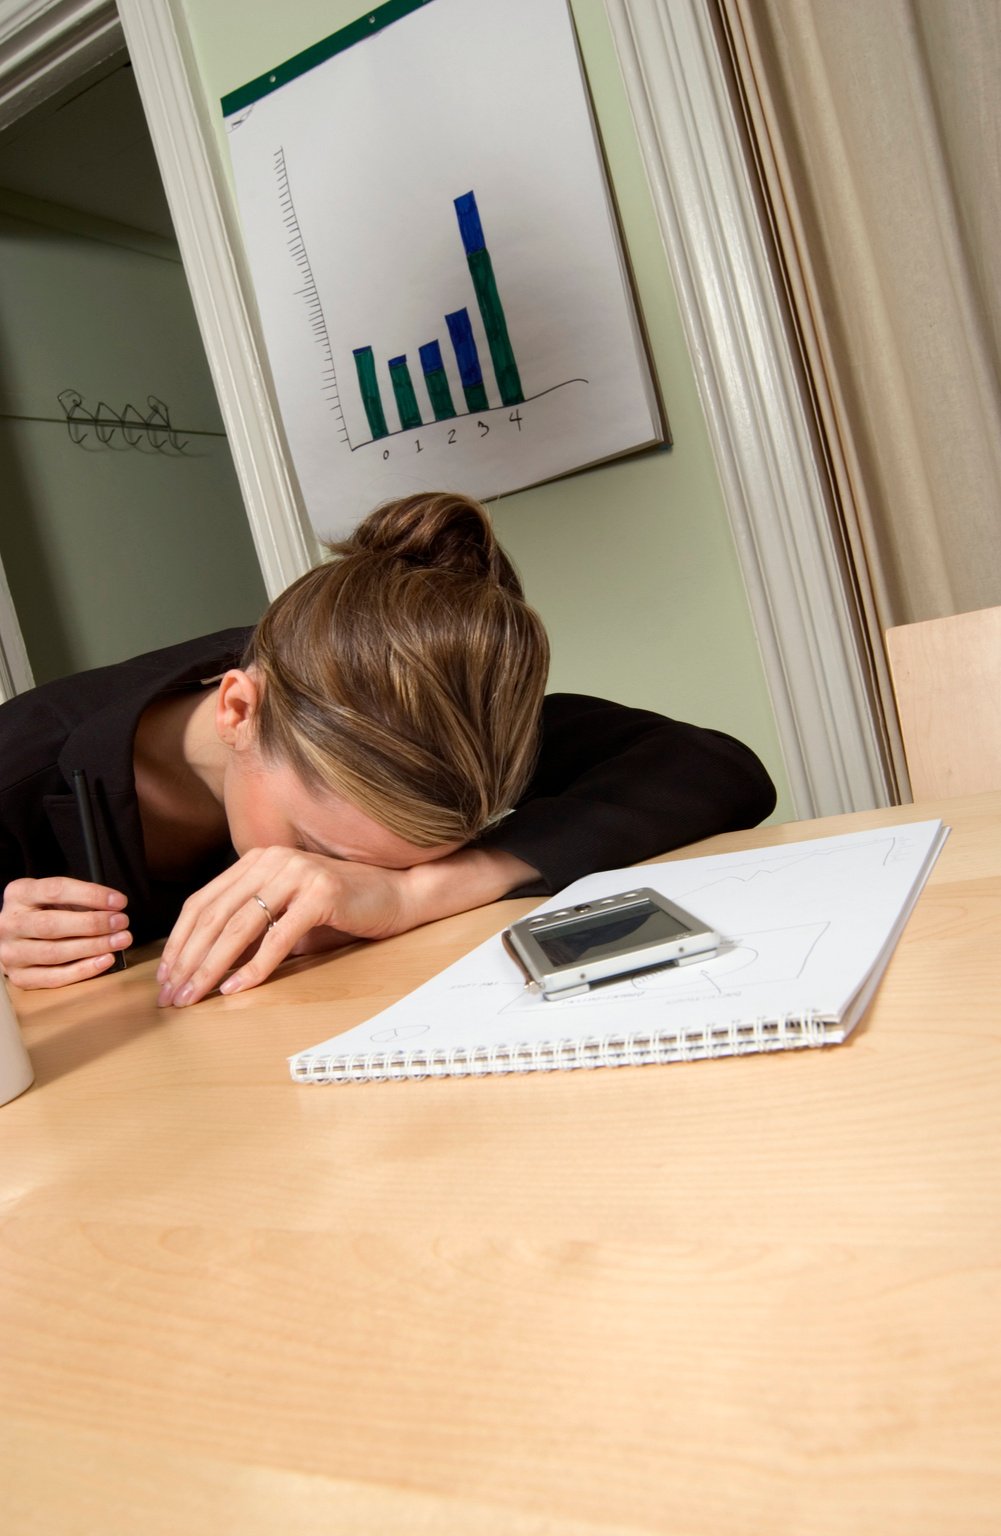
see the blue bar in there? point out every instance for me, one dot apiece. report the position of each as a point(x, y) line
point(397, 362)
point(463, 341)
point(430, 354)
point(470, 227)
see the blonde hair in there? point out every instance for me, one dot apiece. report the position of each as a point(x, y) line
point(408, 672)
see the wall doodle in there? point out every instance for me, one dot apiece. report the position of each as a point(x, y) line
point(128, 428)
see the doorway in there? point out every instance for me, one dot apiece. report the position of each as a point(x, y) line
point(123, 527)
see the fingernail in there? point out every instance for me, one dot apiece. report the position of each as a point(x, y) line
point(231, 984)
point(119, 940)
point(165, 996)
point(182, 998)
point(117, 921)
point(161, 971)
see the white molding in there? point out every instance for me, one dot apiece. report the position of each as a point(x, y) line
point(750, 390)
point(47, 44)
point(199, 201)
point(15, 668)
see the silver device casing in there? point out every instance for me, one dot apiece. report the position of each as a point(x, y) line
point(616, 957)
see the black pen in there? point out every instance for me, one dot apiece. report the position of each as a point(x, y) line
point(95, 866)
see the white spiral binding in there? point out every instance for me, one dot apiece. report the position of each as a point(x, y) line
point(645, 1048)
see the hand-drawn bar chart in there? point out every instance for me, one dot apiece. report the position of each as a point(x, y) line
point(440, 283)
point(463, 342)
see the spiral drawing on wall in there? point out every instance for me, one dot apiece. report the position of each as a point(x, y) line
point(104, 427)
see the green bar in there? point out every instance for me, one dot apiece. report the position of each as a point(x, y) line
point(369, 386)
point(439, 394)
point(476, 397)
point(492, 311)
point(368, 25)
point(406, 400)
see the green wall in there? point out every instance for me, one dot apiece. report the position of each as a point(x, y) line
point(632, 565)
point(110, 549)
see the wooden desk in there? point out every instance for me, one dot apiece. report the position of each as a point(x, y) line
point(757, 1296)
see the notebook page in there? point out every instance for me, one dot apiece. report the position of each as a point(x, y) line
point(805, 927)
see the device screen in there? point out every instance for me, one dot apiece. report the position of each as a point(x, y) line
point(595, 937)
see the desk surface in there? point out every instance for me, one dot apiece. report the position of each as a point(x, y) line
point(755, 1295)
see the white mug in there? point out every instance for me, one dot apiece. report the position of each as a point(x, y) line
point(16, 1072)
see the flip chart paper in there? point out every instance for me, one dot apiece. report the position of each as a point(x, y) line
point(436, 261)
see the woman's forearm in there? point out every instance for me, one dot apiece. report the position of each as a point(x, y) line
point(473, 877)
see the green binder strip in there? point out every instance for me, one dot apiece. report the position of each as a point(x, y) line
point(355, 32)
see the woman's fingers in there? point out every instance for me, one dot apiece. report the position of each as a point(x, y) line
point(57, 930)
point(27, 952)
point(61, 891)
point(220, 923)
point(207, 912)
point(41, 976)
point(275, 946)
point(205, 915)
point(53, 926)
point(199, 969)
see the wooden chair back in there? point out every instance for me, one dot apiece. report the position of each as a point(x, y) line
point(947, 681)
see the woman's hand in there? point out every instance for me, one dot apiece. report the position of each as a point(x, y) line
point(57, 930)
point(304, 892)
point(314, 902)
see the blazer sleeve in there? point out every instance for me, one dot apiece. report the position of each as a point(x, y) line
point(615, 785)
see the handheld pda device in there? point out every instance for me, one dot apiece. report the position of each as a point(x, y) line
point(567, 951)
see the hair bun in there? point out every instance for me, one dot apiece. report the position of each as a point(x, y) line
point(436, 529)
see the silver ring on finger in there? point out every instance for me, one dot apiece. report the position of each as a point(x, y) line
point(266, 910)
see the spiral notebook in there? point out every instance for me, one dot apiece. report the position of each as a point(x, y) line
point(808, 930)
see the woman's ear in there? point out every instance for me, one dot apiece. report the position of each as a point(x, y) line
point(236, 708)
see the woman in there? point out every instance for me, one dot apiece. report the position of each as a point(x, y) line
point(376, 754)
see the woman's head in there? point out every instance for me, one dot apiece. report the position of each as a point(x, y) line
point(407, 673)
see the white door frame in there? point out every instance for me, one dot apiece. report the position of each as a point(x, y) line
point(205, 225)
point(829, 723)
point(828, 729)
point(15, 668)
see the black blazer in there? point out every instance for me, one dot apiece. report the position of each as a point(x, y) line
point(612, 785)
